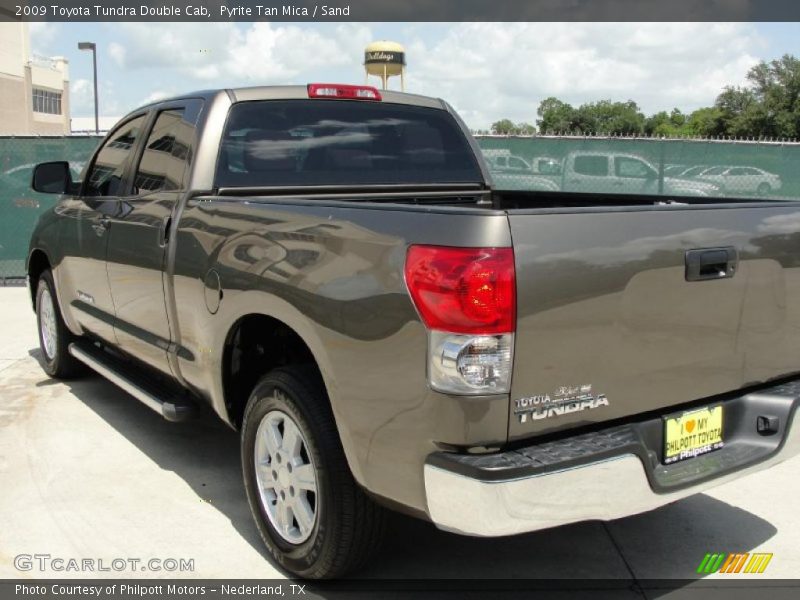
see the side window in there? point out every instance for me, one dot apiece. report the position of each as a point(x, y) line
point(516, 163)
point(166, 154)
point(740, 171)
point(591, 165)
point(105, 176)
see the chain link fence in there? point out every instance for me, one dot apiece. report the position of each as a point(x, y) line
point(20, 206)
point(674, 168)
point(592, 164)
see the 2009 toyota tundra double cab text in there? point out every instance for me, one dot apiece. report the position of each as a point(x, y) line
point(330, 269)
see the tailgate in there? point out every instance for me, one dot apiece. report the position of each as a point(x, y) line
point(608, 325)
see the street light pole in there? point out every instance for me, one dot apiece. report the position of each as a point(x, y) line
point(93, 47)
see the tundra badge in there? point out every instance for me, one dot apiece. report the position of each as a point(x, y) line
point(565, 400)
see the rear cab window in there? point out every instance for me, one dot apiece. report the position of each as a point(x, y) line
point(276, 143)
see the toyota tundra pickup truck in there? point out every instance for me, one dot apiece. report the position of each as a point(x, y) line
point(330, 269)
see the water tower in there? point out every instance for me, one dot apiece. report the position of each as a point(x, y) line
point(385, 59)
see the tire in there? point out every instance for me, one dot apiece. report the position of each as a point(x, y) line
point(54, 337)
point(346, 526)
point(764, 189)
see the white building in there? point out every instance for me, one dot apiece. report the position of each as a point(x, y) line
point(34, 91)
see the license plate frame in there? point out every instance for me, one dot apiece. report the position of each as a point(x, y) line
point(693, 433)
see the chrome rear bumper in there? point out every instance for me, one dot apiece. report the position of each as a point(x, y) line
point(606, 489)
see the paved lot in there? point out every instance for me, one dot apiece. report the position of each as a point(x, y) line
point(88, 472)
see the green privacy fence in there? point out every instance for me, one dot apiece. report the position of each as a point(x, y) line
point(674, 168)
point(670, 168)
point(19, 205)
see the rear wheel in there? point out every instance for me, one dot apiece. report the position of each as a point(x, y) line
point(313, 517)
point(54, 337)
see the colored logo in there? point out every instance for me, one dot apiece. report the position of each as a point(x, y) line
point(736, 562)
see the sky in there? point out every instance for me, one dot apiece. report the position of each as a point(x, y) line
point(487, 71)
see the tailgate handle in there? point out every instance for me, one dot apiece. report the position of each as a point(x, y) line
point(711, 263)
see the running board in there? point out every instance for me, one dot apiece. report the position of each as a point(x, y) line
point(171, 408)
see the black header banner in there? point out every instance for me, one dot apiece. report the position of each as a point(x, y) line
point(411, 589)
point(400, 10)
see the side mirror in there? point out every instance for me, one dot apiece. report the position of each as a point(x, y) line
point(52, 178)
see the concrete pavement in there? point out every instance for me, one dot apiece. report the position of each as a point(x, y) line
point(88, 472)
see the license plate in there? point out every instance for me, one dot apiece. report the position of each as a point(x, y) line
point(692, 434)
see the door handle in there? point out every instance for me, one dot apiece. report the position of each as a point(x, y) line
point(705, 264)
point(101, 225)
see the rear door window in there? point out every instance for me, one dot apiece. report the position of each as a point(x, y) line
point(275, 143)
point(166, 154)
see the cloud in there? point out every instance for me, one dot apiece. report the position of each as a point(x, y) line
point(81, 98)
point(780, 224)
point(155, 96)
point(494, 70)
point(117, 54)
point(487, 71)
point(260, 53)
point(81, 95)
point(42, 36)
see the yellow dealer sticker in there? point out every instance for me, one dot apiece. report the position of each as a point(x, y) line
point(692, 434)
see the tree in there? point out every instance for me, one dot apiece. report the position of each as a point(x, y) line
point(555, 116)
point(503, 127)
point(741, 114)
point(525, 128)
point(677, 118)
point(605, 116)
point(776, 89)
point(658, 124)
point(705, 122)
point(508, 127)
point(769, 105)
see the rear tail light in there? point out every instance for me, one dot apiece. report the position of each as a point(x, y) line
point(343, 92)
point(467, 299)
point(463, 290)
point(470, 364)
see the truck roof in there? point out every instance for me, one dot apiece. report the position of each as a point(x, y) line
point(294, 92)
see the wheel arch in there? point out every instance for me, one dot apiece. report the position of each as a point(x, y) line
point(37, 263)
point(255, 344)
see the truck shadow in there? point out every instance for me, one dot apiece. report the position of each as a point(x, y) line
point(666, 544)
